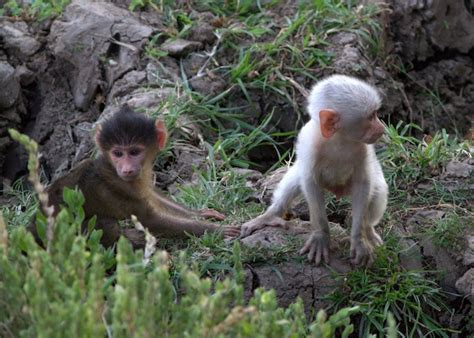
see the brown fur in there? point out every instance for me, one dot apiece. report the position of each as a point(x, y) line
point(111, 198)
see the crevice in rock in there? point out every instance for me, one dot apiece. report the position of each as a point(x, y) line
point(255, 279)
point(439, 55)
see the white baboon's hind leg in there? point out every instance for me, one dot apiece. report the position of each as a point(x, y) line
point(376, 209)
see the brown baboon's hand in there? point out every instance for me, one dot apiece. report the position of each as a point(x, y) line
point(317, 248)
point(261, 222)
point(211, 213)
point(231, 231)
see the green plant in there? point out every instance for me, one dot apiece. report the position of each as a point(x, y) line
point(449, 231)
point(79, 287)
point(37, 9)
point(408, 159)
point(412, 297)
point(22, 204)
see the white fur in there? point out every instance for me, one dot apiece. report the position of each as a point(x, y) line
point(348, 96)
point(341, 163)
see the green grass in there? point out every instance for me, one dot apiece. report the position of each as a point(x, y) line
point(22, 204)
point(407, 160)
point(412, 297)
point(35, 9)
point(449, 232)
point(268, 57)
point(77, 285)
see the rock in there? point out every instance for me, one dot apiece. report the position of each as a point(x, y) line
point(87, 34)
point(345, 38)
point(410, 254)
point(25, 75)
point(279, 236)
point(202, 32)
point(421, 28)
point(250, 174)
point(124, 86)
point(267, 185)
point(465, 284)
point(180, 47)
point(350, 61)
point(458, 169)
point(164, 71)
point(83, 132)
point(444, 263)
point(188, 160)
point(16, 39)
point(468, 258)
point(273, 236)
point(143, 98)
point(208, 86)
point(425, 218)
point(193, 63)
point(291, 280)
point(9, 84)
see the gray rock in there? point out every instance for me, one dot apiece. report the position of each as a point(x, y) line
point(180, 47)
point(208, 86)
point(16, 39)
point(291, 280)
point(465, 284)
point(152, 98)
point(458, 169)
point(25, 75)
point(90, 32)
point(126, 85)
point(164, 71)
point(351, 61)
point(444, 261)
point(468, 258)
point(9, 84)
point(295, 279)
point(202, 32)
point(83, 132)
point(420, 28)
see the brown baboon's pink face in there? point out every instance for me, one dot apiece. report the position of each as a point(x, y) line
point(127, 160)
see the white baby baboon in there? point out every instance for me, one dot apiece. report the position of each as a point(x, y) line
point(334, 151)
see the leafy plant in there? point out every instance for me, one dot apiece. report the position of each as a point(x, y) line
point(449, 231)
point(35, 9)
point(79, 287)
point(412, 297)
point(408, 159)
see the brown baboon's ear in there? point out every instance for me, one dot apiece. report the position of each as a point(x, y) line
point(161, 134)
point(329, 122)
point(97, 132)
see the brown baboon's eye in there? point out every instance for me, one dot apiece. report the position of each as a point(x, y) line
point(135, 151)
point(117, 153)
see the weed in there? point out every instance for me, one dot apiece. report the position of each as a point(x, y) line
point(22, 205)
point(35, 9)
point(406, 159)
point(386, 288)
point(449, 231)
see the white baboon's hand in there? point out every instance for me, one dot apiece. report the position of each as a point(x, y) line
point(362, 252)
point(261, 222)
point(317, 247)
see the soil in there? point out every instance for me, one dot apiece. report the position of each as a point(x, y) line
point(60, 76)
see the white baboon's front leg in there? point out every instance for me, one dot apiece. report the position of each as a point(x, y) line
point(317, 245)
point(285, 192)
